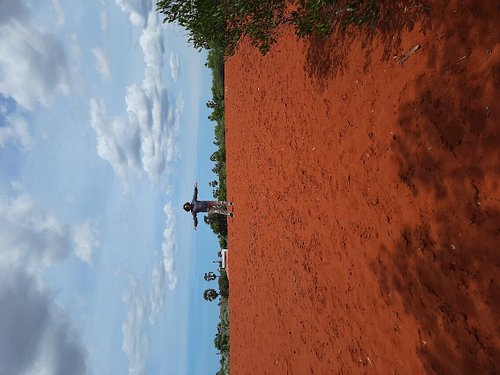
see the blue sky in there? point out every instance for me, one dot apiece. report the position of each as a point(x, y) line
point(103, 132)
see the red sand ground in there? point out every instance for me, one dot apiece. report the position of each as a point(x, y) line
point(367, 199)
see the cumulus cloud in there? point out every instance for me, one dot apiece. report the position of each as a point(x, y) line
point(85, 241)
point(149, 143)
point(138, 10)
point(36, 336)
point(149, 111)
point(102, 64)
point(117, 141)
point(44, 69)
point(30, 236)
point(174, 66)
point(34, 238)
point(151, 42)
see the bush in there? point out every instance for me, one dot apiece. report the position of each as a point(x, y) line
point(220, 24)
point(223, 284)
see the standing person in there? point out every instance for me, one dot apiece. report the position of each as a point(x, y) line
point(196, 206)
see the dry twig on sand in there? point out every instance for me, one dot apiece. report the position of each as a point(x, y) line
point(409, 54)
point(456, 62)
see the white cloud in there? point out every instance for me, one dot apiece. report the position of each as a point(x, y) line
point(169, 247)
point(137, 9)
point(142, 306)
point(151, 42)
point(44, 68)
point(151, 119)
point(117, 141)
point(135, 342)
point(163, 275)
point(29, 235)
point(59, 14)
point(32, 237)
point(102, 64)
point(174, 66)
point(36, 336)
point(158, 295)
point(85, 241)
point(15, 130)
point(149, 112)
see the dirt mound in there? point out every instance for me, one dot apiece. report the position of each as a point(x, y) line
point(366, 234)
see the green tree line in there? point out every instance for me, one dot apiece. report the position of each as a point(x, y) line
point(218, 223)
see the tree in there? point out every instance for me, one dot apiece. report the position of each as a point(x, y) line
point(222, 23)
point(210, 294)
point(221, 340)
point(218, 224)
point(203, 19)
point(209, 276)
point(223, 284)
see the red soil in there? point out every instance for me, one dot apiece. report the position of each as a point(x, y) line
point(367, 198)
